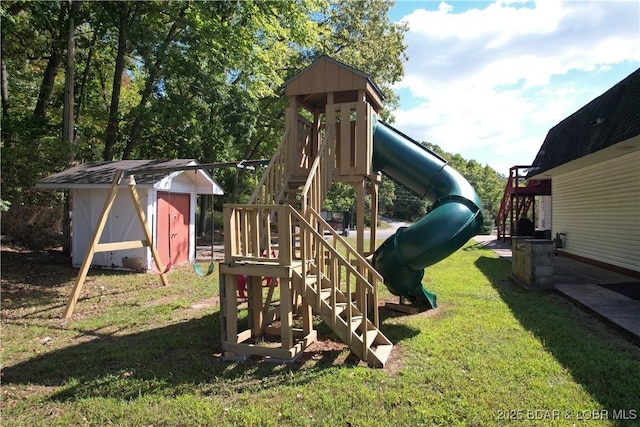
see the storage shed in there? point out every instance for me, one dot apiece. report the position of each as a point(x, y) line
point(167, 197)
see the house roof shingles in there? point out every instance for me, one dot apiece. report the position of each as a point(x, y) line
point(610, 118)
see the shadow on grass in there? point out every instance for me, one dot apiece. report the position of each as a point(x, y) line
point(182, 358)
point(37, 278)
point(607, 366)
point(173, 360)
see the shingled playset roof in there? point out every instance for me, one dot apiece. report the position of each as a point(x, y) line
point(611, 118)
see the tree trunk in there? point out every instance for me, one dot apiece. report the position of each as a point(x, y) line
point(148, 87)
point(4, 81)
point(14, 9)
point(48, 80)
point(67, 127)
point(67, 120)
point(85, 76)
point(113, 121)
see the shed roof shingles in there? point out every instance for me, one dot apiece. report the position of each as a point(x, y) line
point(93, 173)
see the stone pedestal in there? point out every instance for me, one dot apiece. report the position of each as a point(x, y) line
point(532, 262)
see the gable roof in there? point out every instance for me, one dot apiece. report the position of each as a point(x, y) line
point(327, 74)
point(100, 174)
point(611, 118)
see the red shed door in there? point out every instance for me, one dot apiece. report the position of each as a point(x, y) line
point(173, 227)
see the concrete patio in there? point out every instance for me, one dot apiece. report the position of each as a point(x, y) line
point(582, 284)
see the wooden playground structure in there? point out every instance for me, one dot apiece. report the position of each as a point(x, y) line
point(280, 237)
point(280, 233)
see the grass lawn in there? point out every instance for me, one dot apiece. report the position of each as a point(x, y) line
point(140, 354)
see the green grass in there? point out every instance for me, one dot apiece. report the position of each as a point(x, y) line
point(137, 353)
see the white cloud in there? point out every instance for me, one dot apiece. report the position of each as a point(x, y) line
point(488, 77)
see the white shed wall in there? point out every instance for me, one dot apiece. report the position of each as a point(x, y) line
point(122, 225)
point(598, 207)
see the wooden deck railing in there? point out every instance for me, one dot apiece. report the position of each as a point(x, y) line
point(251, 235)
point(272, 185)
point(320, 174)
point(350, 255)
point(331, 259)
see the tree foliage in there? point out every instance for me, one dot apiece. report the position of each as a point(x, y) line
point(488, 183)
point(178, 79)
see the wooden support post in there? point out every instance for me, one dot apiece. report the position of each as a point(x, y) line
point(359, 187)
point(291, 123)
point(286, 313)
point(230, 232)
point(230, 308)
point(307, 317)
point(374, 216)
point(267, 306)
point(223, 318)
point(257, 312)
point(147, 234)
point(97, 233)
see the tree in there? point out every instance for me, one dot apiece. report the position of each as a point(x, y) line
point(360, 34)
point(120, 13)
point(170, 79)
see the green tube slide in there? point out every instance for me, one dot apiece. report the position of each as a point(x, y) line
point(455, 217)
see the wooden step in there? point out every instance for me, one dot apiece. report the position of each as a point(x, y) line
point(372, 334)
point(340, 307)
point(317, 287)
point(325, 294)
point(381, 354)
point(356, 321)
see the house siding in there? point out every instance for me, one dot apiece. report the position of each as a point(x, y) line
point(544, 213)
point(598, 207)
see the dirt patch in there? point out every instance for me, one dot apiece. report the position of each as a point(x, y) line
point(394, 362)
point(206, 303)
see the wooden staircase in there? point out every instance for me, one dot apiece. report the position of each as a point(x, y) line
point(517, 200)
point(328, 275)
point(342, 289)
point(349, 324)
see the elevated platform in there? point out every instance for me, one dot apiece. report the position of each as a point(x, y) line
point(518, 200)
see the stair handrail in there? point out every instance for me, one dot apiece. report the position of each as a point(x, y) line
point(368, 288)
point(338, 240)
point(502, 219)
point(274, 175)
point(320, 175)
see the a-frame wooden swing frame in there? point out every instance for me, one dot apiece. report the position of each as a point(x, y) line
point(95, 247)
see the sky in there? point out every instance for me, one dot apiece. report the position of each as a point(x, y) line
point(488, 79)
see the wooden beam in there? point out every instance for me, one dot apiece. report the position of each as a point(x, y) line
point(97, 233)
point(359, 187)
point(117, 246)
point(229, 307)
point(200, 166)
point(95, 246)
point(254, 291)
point(147, 234)
point(374, 217)
point(286, 314)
